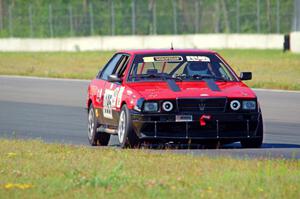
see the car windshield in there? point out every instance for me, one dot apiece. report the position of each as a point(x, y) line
point(182, 67)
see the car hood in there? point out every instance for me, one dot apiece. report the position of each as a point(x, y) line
point(161, 90)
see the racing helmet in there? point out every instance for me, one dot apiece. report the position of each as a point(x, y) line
point(196, 68)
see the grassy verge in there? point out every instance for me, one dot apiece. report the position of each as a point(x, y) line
point(77, 65)
point(271, 68)
point(32, 169)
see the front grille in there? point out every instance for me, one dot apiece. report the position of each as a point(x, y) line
point(202, 105)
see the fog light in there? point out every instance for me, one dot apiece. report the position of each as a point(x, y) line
point(167, 106)
point(235, 105)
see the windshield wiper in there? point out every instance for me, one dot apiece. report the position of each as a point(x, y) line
point(180, 77)
point(176, 78)
point(162, 76)
point(223, 79)
point(151, 76)
point(183, 77)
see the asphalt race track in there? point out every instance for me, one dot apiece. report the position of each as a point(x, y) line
point(53, 110)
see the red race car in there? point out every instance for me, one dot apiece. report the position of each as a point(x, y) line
point(180, 96)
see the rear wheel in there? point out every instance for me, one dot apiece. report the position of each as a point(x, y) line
point(255, 142)
point(96, 138)
point(126, 135)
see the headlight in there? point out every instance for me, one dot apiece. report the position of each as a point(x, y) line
point(167, 106)
point(150, 106)
point(235, 105)
point(249, 105)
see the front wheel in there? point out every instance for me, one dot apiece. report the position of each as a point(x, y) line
point(96, 138)
point(126, 135)
point(255, 142)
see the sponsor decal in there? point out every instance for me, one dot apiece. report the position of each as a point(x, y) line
point(184, 118)
point(114, 98)
point(98, 95)
point(198, 58)
point(119, 98)
point(111, 85)
point(163, 59)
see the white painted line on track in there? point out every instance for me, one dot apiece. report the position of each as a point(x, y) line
point(84, 80)
point(275, 90)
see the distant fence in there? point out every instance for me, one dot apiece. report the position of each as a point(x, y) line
point(200, 41)
point(76, 18)
point(296, 18)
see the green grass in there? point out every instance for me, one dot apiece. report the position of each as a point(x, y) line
point(271, 68)
point(77, 65)
point(33, 169)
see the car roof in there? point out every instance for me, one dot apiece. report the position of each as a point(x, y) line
point(166, 51)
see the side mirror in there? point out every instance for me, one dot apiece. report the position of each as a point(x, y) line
point(114, 78)
point(246, 76)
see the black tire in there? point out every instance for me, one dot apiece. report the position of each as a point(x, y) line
point(96, 138)
point(255, 142)
point(126, 135)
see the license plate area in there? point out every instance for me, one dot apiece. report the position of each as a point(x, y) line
point(184, 118)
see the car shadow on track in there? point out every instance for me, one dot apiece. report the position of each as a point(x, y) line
point(264, 146)
point(280, 145)
point(227, 146)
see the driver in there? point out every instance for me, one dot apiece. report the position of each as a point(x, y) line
point(198, 68)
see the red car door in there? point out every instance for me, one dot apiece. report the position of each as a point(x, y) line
point(112, 94)
point(97, 87)
point(106, 96)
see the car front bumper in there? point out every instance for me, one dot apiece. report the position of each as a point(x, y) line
point(233, 126)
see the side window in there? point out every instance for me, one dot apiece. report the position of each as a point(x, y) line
point(122, 66)
point(109, 68)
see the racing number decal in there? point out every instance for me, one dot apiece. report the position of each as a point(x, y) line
point(112, 99)
point(107, 103)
